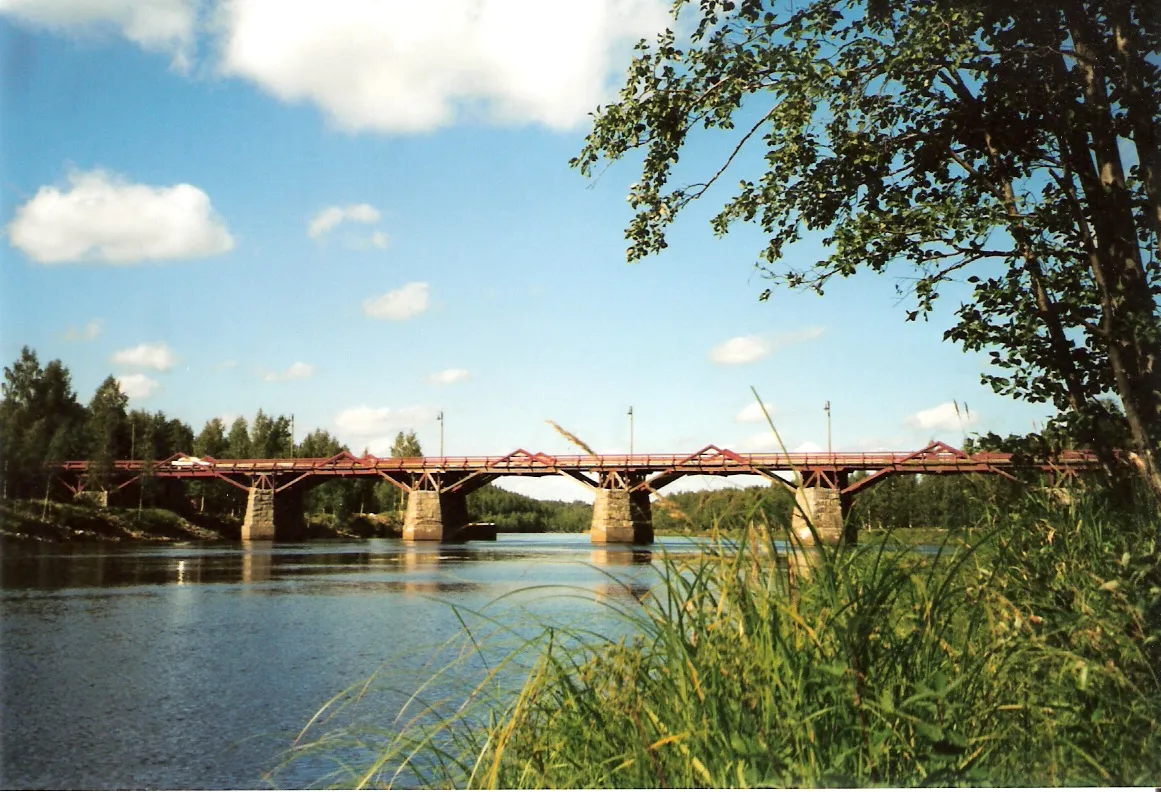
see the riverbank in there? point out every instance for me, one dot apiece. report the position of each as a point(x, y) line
point(34, 521)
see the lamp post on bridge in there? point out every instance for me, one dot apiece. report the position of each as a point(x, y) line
point(827, 408)
point(630, 430)
point(440, 419)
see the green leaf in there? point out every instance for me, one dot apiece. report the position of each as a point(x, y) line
point(887, 700)
point(929, 730)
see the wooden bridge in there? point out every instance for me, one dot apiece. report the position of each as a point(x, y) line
point(622, 484)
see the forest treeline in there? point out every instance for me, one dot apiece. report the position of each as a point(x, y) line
point(43, 422)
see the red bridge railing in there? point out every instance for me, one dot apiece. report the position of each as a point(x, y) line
point(936, 457)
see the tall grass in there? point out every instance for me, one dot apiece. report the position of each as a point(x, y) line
point(1025, 652)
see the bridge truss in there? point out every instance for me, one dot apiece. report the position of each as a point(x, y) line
point(634, 473)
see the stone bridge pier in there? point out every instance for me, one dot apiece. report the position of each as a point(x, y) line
point(432, 516)
point(621, 514)
point(271, 513)
point(820, 503)
point(259, 520)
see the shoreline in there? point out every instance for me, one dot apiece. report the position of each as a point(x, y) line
point(30, 521)
point(64, 523)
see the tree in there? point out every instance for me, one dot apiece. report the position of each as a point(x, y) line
point(270, 437)
point(406, 445)
point(40, 423)
point(211, 441)
point(387, 495)
point(332, 497)
point(143, 437)
point(319, 444)
point(1012, 146)
point(339, 497)
point(60, 447)
point(238, 440)
point(108, 431)
point(175, 436)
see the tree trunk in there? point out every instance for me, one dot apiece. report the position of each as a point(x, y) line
point(1129, 313)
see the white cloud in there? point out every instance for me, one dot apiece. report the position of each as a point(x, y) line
point(154, 356)
point(743, 349)
point(379, 240)
point(783, 340)
point(399, 304)
point(948, 417)
point(138, 386)
point(414, 67)
point(165, 26)
point(375, 428)
point(324, 221)
point(89, 332)
point(449, 376)
point(363, 213)
point(104, 218)
point(330, 218)
point(757, 443)
point(747, 349)
point(766, 442)
point(365, 420)
point(879, 443)
point(752, 412)
point(295, 371)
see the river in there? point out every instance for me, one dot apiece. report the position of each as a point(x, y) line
point(196, 665)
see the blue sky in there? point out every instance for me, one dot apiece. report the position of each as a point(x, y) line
point(362, 214)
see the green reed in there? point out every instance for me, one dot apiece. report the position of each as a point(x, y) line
point(1025, 651)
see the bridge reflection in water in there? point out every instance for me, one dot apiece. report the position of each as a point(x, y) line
point(621, 485)
point(386, 564)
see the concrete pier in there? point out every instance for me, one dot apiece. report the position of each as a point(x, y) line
point(826, 509)
point(259, 520)
point(433, 515)
point(621, 516)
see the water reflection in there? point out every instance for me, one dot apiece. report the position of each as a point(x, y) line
point(620, 556)
point(82, 566)
point(417, 558)
point(257, 560)
point(623, 590)
point(195, 665)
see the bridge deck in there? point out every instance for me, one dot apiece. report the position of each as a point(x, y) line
point(936, 458)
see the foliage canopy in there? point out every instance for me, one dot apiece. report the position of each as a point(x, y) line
point(1012, 146)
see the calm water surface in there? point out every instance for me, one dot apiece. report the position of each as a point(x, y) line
point(194, 666)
